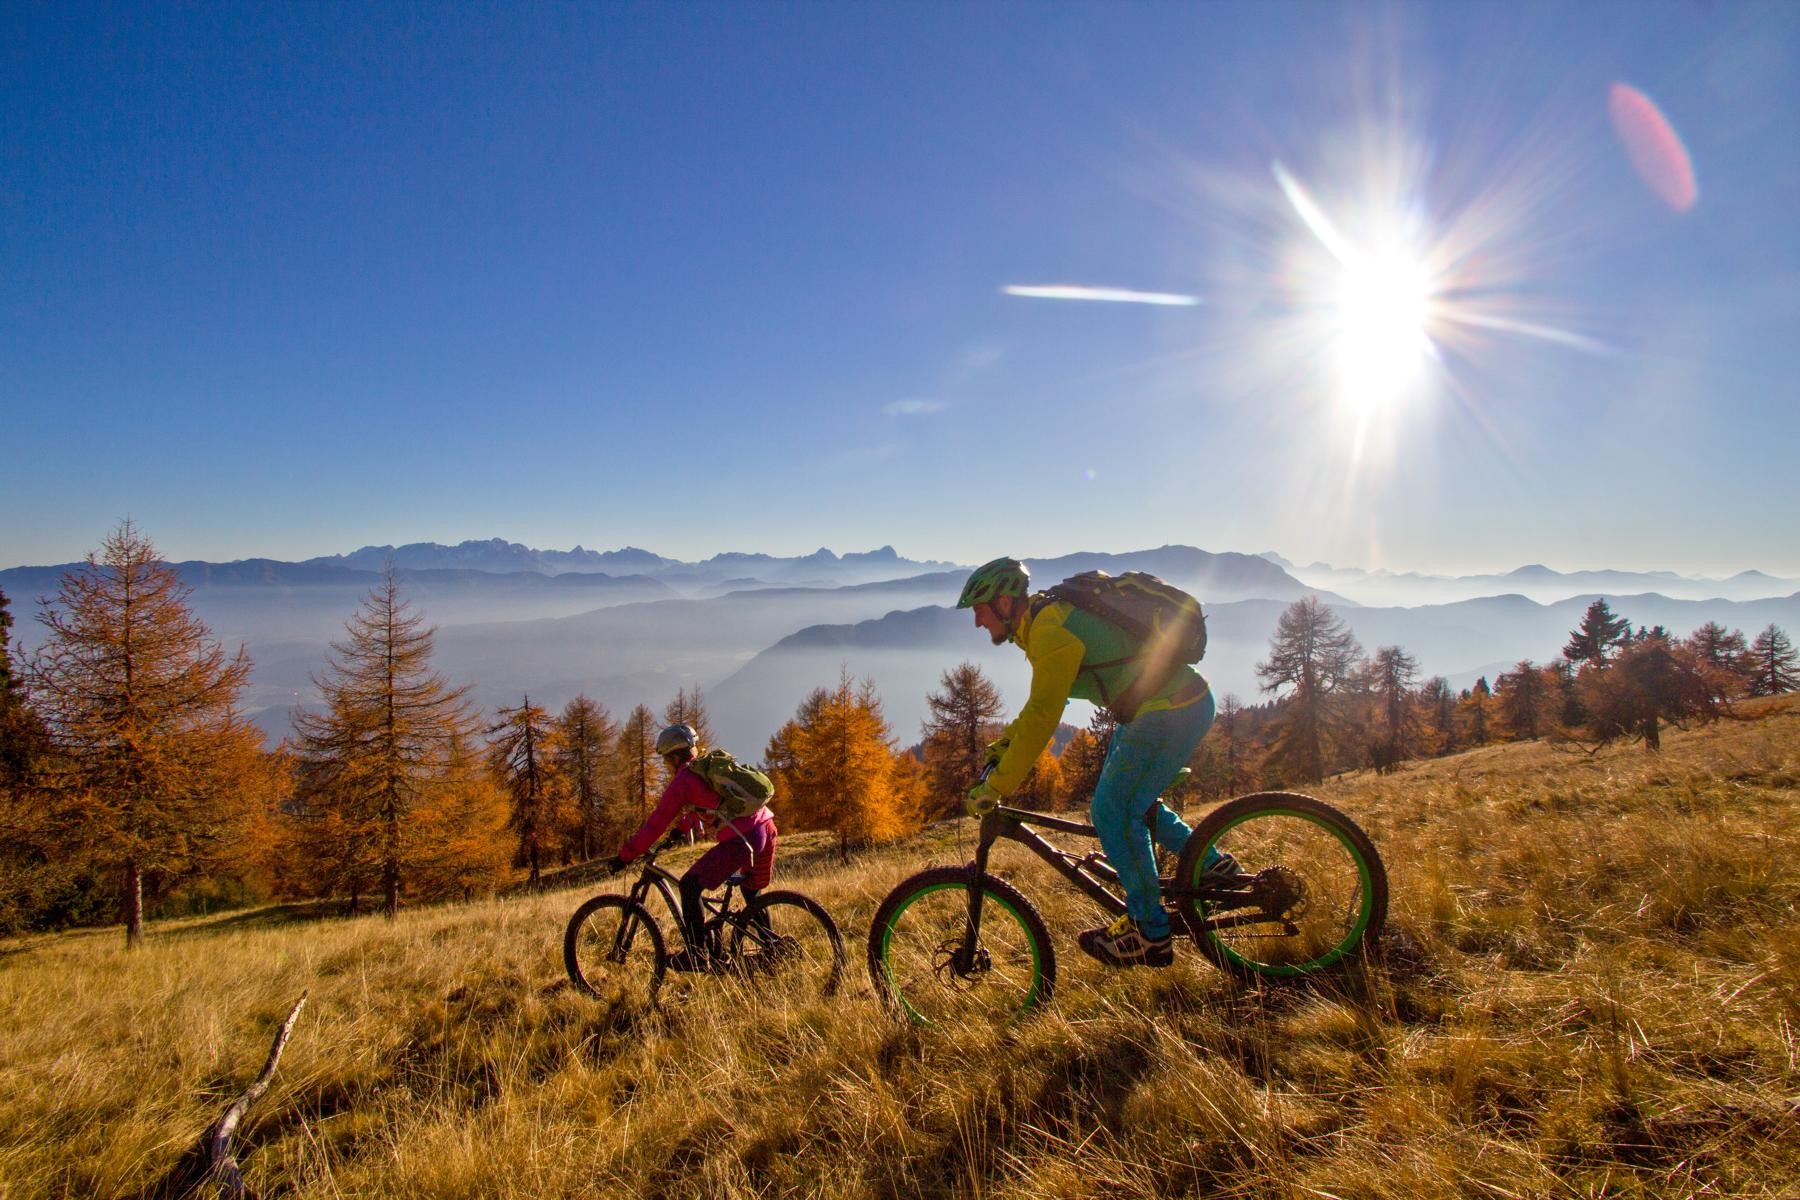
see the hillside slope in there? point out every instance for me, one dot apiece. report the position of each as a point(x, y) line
point(1588, 987)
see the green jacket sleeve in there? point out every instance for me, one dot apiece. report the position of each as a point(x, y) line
point(1055, 655)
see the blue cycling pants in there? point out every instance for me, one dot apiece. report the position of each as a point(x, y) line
point(1141, 760)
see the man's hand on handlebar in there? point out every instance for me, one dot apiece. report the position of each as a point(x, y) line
point(983, 799)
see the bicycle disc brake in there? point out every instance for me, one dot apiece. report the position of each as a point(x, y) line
point(943, 965)
point(1280, 893)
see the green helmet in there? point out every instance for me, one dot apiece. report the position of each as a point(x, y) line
point(1002, 577)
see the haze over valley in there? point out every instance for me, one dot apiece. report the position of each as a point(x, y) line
point(758, 632)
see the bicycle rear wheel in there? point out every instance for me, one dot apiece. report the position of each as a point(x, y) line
point(1309, 893)
point(925, 968)
point(788, 941)
point(614, 951)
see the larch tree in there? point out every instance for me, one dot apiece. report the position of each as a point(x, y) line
point(388, 738)
point(583, 759)
point(22, 736)
point(1083, 758)
point(519, 754)
point(1651, 682)
point(141, 706)
point(842, 771)
point(1524, 700)
point(1598, 635)
point(31, 863)
point(1475, 714)
point(1218, 762)
point(1724, 655)
point(1569, 712)
point(640, 770)
point(1315, 654)
point(1391, 674)
point(1439, 700)
point(689, 708)
point(1774, 671)
point(460, 828)
point(964, 716)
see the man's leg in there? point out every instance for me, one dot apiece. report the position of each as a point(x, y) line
point(1143, 757)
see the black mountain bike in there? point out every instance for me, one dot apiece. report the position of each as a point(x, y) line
point(1307, 893)
point(614, 948)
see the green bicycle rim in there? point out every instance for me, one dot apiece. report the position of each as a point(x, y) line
point(913, 1014)
point(1365, 910)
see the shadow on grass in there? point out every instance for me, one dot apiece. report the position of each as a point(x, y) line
point(271, 916)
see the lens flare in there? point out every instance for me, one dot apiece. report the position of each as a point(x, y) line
point(1653, 146)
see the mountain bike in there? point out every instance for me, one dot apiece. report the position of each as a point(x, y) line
point(1303, 891)
point(614, 948)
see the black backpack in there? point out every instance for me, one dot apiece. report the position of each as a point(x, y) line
point(1165, 621)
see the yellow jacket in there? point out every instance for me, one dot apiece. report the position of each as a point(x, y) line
point(1076, 655)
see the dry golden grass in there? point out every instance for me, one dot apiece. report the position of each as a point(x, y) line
point(1590, 986)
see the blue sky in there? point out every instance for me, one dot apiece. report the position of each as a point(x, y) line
point(288, 280)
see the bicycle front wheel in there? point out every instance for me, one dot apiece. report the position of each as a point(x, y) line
point(1308, 894)
point(788, 941)
point(937, 959)
point(614, 951)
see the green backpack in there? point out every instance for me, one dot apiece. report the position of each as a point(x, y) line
point(741, 789)
point(1151, 611)
point(1165, 621)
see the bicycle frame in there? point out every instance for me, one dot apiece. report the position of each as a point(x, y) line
point(666, 882)
point(1090, 873)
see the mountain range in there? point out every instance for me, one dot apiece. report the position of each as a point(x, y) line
point(758, 632)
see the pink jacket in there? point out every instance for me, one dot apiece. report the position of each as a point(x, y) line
point(688, 798)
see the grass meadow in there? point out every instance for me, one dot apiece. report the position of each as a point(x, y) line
point(1589, 986)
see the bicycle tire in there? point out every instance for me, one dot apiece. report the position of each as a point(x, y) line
point(919, 927)
point(1312, 892)
point(789, 939)
point(606, 921)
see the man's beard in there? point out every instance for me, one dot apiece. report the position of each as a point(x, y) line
point(1000, 637)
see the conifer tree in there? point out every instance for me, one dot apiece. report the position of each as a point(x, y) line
point(964, 718)
point(1474, 713)
point(839, 769)
point(689, 708)
point(583, 758)
point(1083, 758)
point(22, 735)
point(32, 864)
point(1217, 761)
point(1651, 681)
point(1391, 675)
point(640, 770)
point(1440, 705)
point(1775, 671)
point(141, 706)
point(388, 738)
point(1524, 700)
point(519, 756)
point(1313, 653)
point(1598, 635)
point(460, 828)
point(1569, 712)
point(1724, 655)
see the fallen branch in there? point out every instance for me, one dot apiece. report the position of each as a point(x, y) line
point(217, 1140)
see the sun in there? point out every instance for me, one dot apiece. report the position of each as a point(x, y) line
point(1381, 313)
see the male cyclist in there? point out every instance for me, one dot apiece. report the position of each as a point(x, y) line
point(1075, 654)
point(746, 844)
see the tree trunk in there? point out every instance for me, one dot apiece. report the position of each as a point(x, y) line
point(134, 905)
